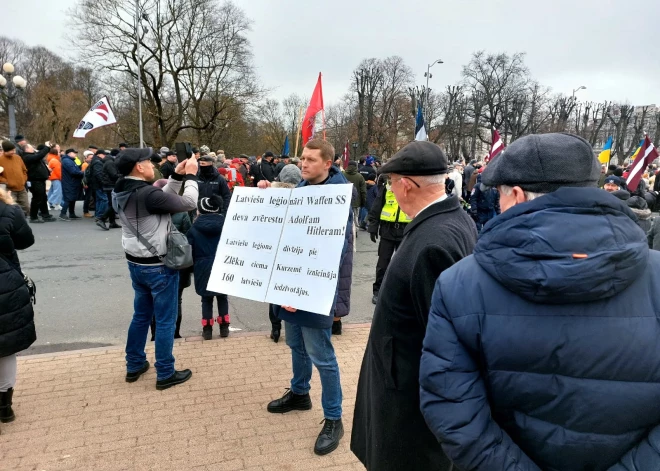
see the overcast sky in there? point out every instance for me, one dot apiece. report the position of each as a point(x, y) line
point(611, 47)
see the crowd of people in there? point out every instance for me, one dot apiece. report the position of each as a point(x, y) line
point(514, 327)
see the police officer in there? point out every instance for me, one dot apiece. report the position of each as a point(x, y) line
point(387, 220)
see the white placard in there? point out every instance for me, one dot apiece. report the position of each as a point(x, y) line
point(283, 246)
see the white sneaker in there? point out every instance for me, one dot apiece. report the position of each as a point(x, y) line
point(58, 207)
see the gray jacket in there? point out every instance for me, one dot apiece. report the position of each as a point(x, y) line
point(149, 210)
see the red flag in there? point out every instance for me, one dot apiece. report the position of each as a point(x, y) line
point(347, 155)
point(315, 107)
point(497, 146)
point(645, 156)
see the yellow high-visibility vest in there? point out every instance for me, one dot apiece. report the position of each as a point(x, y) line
point(391, 211)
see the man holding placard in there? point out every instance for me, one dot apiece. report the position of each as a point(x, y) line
point(308, 334)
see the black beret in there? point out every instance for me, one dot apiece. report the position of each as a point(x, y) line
point(169, 152)
point(122, 144)
point(417, 158)
point(19, 138)
point(129, 157)
point(68, 151)
point(100, 152)
point(543, 163)
point(156, 158)
point(92, 147)
point(269, 154)
point(114, 152)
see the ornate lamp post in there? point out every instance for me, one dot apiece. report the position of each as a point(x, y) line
point(11, 86)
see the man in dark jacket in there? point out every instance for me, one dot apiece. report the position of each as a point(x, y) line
point(38, 173)
point(484, 203)
point(210, 182)
point(389, 432)
point(267, 167)
point(308, 334)
point(368, 171)
point(530, 370)
point(96, 185)
point(71, 185)
point(167, 168)
point(387, 220)
point(108, 181)
point(358, 182)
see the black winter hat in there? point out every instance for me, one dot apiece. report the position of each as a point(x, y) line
point(7, 146)
point(637, 202)
point(543, 163)
point(19, 138)
point(212, 205)
point(114, 152)
point(100, 152)
point(417, 158)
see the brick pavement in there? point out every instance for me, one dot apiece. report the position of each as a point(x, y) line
point(74, 411)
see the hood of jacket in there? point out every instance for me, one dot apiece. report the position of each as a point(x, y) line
point(642, 214)
point(209, 224)
point(570, 246)
point(125, 187)
point(351, 170)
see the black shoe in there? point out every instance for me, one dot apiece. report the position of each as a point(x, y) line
point(177, 335)
point(224, 330)
point(336, 327)
point(6, 412)
point(36, 221)
point(207, 332)
point(133, 377)
point(328, 439)
point(374, 300)
point(275, 334)
point(177, 378)
point(48, 219)
point(73, 216)
point(65, 218)
point(102, 225)
point(289, 402)
point(114, 225)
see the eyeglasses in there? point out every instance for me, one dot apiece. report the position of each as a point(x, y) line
point(392, 180)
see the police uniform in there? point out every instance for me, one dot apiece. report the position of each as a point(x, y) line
point(389, 221)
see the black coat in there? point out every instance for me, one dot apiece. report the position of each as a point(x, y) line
point(36, 166)
point(386, 230)
point(96, 169)
point(268, 170)
point(204, 237)
point(389, 432)
point(17, 330)
point(110, 174)
point(212, 183)
point(167, 169)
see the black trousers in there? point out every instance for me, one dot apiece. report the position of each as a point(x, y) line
point(89, 202)
point(39, 200)
point(386, 249)
point(274, 321)
point(110, 212)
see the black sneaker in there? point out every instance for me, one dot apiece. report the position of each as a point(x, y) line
point(102, 225)
point(134, 376)
point(224, 330)
point(275, 334)
point(114, 225)
point(36, 221)
point(289, 402)
point(207, 332)
point(64, 218)
point(328, 439)
point(48, 219)
point(336, 327)
point(177, 378)
point(73, 216)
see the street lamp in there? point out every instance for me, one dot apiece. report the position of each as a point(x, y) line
point(581, 87)
point(428, 76)
point(11, 85)
point(355, 146)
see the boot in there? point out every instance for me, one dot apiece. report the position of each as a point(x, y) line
point(336, 327)
point(289, 402)
point(224, 325)
point(207, 329)
point(6, 412)
point(177, 334)
point(275, 333)
point(328, 439)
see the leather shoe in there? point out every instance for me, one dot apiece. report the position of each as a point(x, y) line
point(328, 439)
point(177, 378)
point(374, 300)
point(275, 335)
point(289, 402)
point(134, 376)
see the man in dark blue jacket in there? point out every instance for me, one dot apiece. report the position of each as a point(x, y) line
point(308, 334)
point(210, 182)
point(484, 203)
point(542, 351)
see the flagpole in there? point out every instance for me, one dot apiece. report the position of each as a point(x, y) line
point(139, 74)
point(323, 114)
point(299, 129)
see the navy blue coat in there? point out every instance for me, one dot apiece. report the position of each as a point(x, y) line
point(71, 179)
point(484, 202)
point(343, 292)
point(204, 236)
point(538, 359)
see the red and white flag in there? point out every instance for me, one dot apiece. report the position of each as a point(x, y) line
point(99, 115)
point(647, 154)
point(347, 155)
point(311, 120)
point(497, 146)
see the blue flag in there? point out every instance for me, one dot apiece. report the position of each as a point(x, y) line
point(285, 149)
point(420, 130)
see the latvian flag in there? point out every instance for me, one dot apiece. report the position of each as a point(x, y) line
point(497, 146)
point(645, 156)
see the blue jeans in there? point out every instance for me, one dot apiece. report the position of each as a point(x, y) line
point(309, 345)
point(364, 212)
point(156, 291)
point(55, 193)
point(101, 203)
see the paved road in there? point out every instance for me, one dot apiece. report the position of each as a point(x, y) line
point(84, 294)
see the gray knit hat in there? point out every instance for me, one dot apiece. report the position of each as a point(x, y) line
point(290, 174)
point(543, 163)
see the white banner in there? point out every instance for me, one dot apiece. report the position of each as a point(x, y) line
point(283, 246)
point(99, 115)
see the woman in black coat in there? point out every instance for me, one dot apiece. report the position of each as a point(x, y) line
point(17, 330)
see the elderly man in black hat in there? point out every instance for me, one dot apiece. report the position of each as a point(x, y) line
point(551, 361)
point(389, 432)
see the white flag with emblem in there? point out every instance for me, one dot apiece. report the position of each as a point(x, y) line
point(99, 115)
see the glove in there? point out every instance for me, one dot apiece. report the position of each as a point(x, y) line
point(374, 237)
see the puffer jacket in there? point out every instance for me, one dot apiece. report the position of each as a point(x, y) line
point(552, 360)
point(17, 331)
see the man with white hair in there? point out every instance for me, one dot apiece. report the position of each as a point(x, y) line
point(389, 432)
